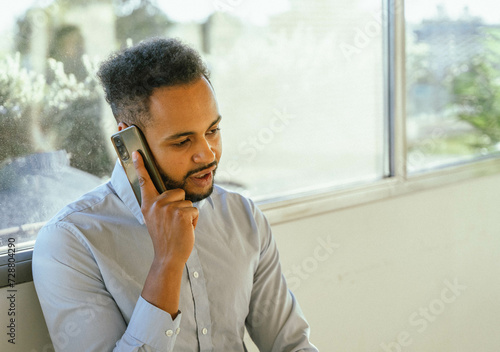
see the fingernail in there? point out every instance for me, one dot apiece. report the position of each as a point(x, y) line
point(134, 155)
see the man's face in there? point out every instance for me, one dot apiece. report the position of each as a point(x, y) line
point(184, 137)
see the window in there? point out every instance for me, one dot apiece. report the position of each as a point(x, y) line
point(309, 91)
point(452, 70)
point(300, 87)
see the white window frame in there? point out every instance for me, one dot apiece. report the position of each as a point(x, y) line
point(398, 182)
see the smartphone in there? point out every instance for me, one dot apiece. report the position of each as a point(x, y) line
point(127, 141)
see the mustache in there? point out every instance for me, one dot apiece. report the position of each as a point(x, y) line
point(192, 172)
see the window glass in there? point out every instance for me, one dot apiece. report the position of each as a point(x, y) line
point(453, 91)
point(300, 86)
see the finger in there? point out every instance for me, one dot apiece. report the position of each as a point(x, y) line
point(172, 195)
point(195, 220)
point(178, 204)
point(148, 190)
point(193, 215)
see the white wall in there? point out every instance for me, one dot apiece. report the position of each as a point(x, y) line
point(393, 258)
point(388, 260)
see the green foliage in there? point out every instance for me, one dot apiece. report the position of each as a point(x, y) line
point(21, 92)
point(61, 108)
point(476, 89)
point(38, 116)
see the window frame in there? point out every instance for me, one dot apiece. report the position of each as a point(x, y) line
point(397, 181)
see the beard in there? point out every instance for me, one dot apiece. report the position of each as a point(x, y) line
point(193, 197)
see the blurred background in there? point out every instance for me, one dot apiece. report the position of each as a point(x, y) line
point(302, 103)
point(307, 94)
point(304, 90)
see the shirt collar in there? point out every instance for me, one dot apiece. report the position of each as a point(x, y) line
point(122, 187)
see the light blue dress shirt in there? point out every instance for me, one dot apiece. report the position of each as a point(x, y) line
point(91, 260)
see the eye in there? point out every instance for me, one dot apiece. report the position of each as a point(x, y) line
point(181, 143)
point(214, 130)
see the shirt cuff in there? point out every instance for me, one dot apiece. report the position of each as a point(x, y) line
point(153, 327)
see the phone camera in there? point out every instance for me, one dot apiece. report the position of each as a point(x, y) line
point(122, 150)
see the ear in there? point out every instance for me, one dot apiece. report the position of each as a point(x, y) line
point(122, 126)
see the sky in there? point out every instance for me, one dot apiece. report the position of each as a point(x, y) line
point(259, 10)
point(415, 10)
point(10, 10)
point(256, 11)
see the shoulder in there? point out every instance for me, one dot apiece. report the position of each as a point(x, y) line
point(67, 225)
point(86, 203)
point(235, 198)
point(238, 210)
point(228, 200)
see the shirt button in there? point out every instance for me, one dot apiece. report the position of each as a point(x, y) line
point(177, 331)
point(204, 331)
point(196, 275)
point(169, 333)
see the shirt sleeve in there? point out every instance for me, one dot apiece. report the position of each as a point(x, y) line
point(80, 313)
point(275, 322)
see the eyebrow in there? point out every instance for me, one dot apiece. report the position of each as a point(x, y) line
point(189, 133)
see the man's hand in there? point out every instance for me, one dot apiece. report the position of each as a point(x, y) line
point(171, 221)
point(170, 218)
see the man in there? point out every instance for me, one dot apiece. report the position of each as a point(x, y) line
point(194, 265)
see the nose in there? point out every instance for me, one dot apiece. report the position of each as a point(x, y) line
point(204, 153)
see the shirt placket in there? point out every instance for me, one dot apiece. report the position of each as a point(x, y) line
point(201, 303)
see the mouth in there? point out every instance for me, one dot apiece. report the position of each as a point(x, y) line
point(203, 178)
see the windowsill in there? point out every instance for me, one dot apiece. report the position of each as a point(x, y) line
point(22, 268)
point(282, 211)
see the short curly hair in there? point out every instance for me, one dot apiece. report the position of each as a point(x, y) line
point(130, 76)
